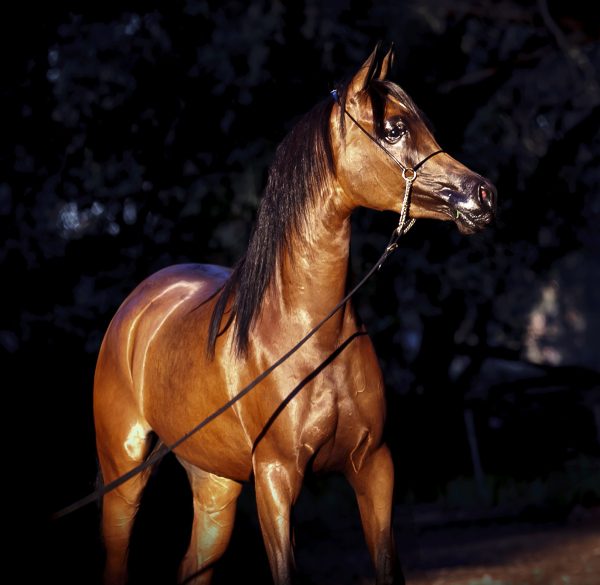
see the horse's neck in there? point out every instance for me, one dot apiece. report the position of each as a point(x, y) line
point(311, 279)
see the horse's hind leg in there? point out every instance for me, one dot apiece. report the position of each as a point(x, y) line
point(118, 452)
point(215, 501)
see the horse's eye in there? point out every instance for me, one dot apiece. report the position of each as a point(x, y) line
point(393, 132)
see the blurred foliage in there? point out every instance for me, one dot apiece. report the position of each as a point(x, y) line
point(138, 135)
point(555, 495)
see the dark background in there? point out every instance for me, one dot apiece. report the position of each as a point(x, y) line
point(136, 135)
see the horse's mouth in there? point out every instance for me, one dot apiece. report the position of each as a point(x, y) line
point(472, 223)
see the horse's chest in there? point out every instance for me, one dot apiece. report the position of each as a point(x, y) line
point(321, 415)
point(343, 407)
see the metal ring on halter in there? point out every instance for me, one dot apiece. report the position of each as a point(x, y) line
point(412, 174)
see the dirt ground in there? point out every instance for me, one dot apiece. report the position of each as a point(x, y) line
point(516, 555)
point(509, 553)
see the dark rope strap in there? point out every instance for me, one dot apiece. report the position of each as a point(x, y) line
point(159, 453)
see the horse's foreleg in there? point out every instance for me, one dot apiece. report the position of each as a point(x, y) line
point(214, 513)
point(373, 484)
point(277, 487)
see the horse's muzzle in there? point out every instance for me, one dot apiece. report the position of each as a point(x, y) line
point(474, 208)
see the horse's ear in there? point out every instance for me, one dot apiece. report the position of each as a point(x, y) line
point(386, 64)
point(377, 66)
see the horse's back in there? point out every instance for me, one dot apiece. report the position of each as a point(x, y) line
point(202, 280)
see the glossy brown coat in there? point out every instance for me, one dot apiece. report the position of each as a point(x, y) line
point(154, 375)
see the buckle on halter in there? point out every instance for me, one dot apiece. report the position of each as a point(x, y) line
point(409, 175)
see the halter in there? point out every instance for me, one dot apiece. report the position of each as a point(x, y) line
point(409, 174)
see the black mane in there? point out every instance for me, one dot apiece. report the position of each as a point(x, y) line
point(302, 164)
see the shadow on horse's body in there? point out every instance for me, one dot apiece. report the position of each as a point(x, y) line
point(191, 336)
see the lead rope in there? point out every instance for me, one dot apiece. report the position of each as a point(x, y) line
point(403, 226)
point(409, 175)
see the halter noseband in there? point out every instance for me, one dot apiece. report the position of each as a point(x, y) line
point(409, 174)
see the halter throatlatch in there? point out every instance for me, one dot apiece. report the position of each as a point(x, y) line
point(409, 174)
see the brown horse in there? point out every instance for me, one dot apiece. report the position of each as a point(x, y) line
point(188, 338)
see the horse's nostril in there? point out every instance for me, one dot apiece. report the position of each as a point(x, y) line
point(486, 195)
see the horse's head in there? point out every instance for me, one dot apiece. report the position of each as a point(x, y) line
point(380, 139)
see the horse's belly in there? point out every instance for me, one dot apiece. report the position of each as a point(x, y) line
point(221, 450)
point(194, 399)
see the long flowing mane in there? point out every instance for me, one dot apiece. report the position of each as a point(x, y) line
point(302, 164)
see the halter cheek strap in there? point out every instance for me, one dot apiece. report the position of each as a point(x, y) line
point(409, 174)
